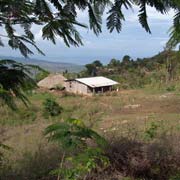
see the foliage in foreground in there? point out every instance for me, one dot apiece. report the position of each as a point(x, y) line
point(128, 158)
point(83, 149)
point(158, 159)
point(60, 18)
point(15, 80)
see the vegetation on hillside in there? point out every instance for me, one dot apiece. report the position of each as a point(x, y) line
point(161, 69)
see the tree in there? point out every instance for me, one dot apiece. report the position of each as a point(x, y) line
point(59, 18)
point(97, 63)
point(91, 69)
point(171, 61)
point(114, 63)
point(126, 59)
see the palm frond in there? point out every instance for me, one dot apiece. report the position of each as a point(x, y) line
point(27, 30)
point(174, 32)
point(95, 19)
point(72, 133)
point(1, 43)
point(64, 30)
point(143, 17)
point(114, 20)
point(60, 19)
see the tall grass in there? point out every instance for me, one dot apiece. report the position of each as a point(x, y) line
point(143, 141)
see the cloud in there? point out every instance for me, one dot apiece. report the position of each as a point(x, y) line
point(38, 35)
point(152, 13)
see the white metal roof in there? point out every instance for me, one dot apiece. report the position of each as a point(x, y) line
point(97, 81)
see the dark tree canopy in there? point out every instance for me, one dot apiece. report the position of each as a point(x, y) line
point(126, 58)
point(97, 63)
point(59, 18)
point(91, 69)
point(113, 62)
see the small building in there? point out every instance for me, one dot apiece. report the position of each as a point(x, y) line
point(52, 81)
point(90, 85)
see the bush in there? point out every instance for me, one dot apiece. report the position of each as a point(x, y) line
point(171, 88)
point(157, 160)
point(51, 107)
point(151, 132)
point(32, 165)
point(80, 157)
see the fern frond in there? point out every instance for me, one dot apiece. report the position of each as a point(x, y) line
point(14, 82)
point(143, 17)
point(115, 18)
point(73, 134)
point(95, 19)
point(59, 18)
point(174, 32)
point(1, 43)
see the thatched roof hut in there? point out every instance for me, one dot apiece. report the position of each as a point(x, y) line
point(52, 81)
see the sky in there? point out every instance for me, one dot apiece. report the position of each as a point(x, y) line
point(132, 41)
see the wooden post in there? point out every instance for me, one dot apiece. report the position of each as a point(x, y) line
point(102, 90)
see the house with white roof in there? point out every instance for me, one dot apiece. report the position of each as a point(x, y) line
point(90, 85)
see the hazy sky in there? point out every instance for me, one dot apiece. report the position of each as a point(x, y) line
point(133, 40)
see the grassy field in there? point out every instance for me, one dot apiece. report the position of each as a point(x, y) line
point(137, 115)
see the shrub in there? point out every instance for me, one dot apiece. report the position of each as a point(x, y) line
point(139, 160)
point(51, 107)
point(151, 132)
point(32, 165)
point(79, 158)
point(171, 88)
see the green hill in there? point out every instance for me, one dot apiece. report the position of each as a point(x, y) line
point(161, 70)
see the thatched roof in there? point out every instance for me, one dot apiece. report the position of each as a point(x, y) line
point(52, 81)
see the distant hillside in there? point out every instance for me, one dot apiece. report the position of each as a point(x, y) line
point(50, 66)
point(162, 70)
